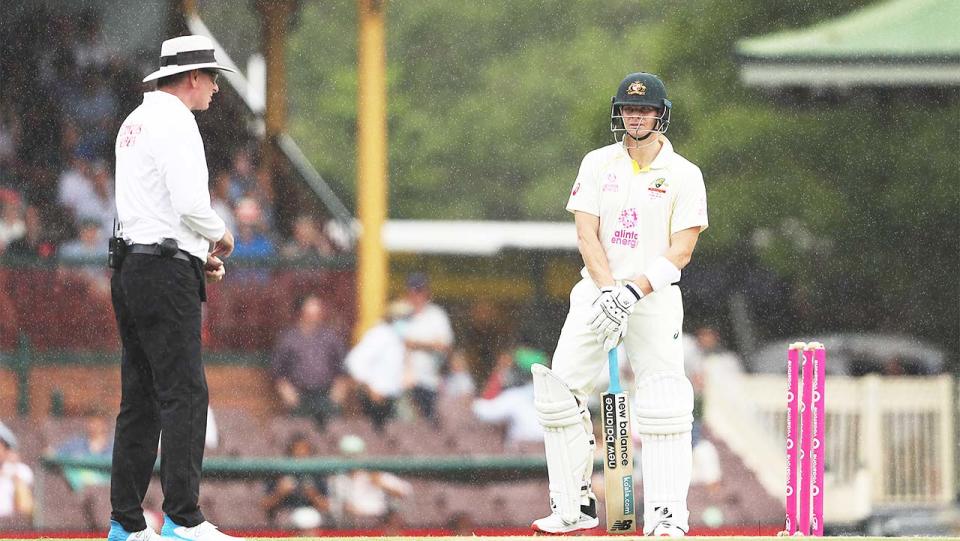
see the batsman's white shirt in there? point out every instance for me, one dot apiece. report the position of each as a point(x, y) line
point(162, 178)
point(638, 209)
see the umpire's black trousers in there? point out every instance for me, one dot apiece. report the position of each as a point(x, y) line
point(157, 303)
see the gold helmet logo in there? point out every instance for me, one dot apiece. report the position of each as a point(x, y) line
point(637, 88)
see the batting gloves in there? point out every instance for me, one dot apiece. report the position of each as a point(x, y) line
point(612, 308)
point(612, 340)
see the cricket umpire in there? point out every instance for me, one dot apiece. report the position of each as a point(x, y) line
point(167, 250)
point(639, 208)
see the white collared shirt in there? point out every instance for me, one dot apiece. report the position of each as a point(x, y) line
point(428, 325)
point(162, 178)
point(639, 209)
point(378, 360)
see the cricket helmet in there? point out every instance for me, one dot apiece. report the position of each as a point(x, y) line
point(640, 89)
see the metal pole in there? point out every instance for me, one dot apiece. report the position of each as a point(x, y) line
point(371, 162)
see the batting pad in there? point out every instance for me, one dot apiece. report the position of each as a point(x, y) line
point(567, 441)
point(664, 405)
point(667, 465)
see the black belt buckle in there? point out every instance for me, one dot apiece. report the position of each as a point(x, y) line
point(169, 248)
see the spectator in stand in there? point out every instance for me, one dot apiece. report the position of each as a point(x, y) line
point(102, 206)
point(9, 138)
point(307, 363)
point(9, 321)
point(89, 195)
point(461, 524)
point(704, 348)
point(308, 240)
point(16, 480)
point(89, 50)
point(513, 405)
point(361, 497)
point(458, 383)
point(90, 243)
point(376, 365)
point(243, 182)
point(220, 198)
point(90, 249)
point(429, 339)
point(13, 226)
point(252, 242)
point(392, 524)
point(92, 109)
point(95, 441)
point(297, 501)
point(32, 244)
point(75, 186)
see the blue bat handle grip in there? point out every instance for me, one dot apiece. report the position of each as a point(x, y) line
point(614, 366)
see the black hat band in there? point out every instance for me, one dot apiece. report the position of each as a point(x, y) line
point(186, 58)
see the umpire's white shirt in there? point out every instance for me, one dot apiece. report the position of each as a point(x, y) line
point(162, 178)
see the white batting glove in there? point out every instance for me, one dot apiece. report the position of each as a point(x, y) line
point(612, 340)
point(612, 308)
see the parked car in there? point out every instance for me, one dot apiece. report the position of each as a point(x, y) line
point(857, 354)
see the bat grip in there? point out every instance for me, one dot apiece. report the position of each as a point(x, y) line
point(614, 367)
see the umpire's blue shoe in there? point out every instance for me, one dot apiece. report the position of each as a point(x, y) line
point(117, 533)
point(201, 532)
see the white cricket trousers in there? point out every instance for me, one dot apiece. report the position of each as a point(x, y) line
point(653, 342)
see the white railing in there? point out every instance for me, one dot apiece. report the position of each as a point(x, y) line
point(889, 440)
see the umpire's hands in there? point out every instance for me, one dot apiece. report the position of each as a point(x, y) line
point(224, 246)
point(213, 269)
point(612, 308)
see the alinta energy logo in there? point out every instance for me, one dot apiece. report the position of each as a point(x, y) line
point(626, 236)
point(628, 218)
point(576, 188)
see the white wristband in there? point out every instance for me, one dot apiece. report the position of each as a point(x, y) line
point(661, 273)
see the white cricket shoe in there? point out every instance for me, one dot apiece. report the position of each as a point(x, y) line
point(667, 529)
point(117, 533)
point(201, 532)
point(554, 524)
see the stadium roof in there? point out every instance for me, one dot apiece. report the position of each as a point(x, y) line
point(894, 43)
point(476, 237)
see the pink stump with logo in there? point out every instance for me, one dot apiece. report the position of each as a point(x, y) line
point(806, 382)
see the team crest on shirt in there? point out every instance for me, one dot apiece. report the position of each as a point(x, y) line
point(611, 183)
point(625, 236)
point(637, 88)
point(657, 188)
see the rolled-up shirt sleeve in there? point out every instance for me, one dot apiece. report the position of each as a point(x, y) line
point(183, 167)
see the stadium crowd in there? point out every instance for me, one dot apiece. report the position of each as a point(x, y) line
point(64, 95)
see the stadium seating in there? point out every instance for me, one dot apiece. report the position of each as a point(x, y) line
point(491, 503)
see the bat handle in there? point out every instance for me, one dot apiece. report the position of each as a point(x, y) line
point(614, 367)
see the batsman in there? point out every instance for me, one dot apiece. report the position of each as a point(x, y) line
point(639, 208)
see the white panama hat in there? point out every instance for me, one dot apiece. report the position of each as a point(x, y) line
point(185, 53)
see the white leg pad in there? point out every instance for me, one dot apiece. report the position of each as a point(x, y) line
point(664, 410)
point(568, 441)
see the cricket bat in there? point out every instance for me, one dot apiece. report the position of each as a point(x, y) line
point(618, 453)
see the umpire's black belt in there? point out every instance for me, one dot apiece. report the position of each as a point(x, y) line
point(155, 249)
